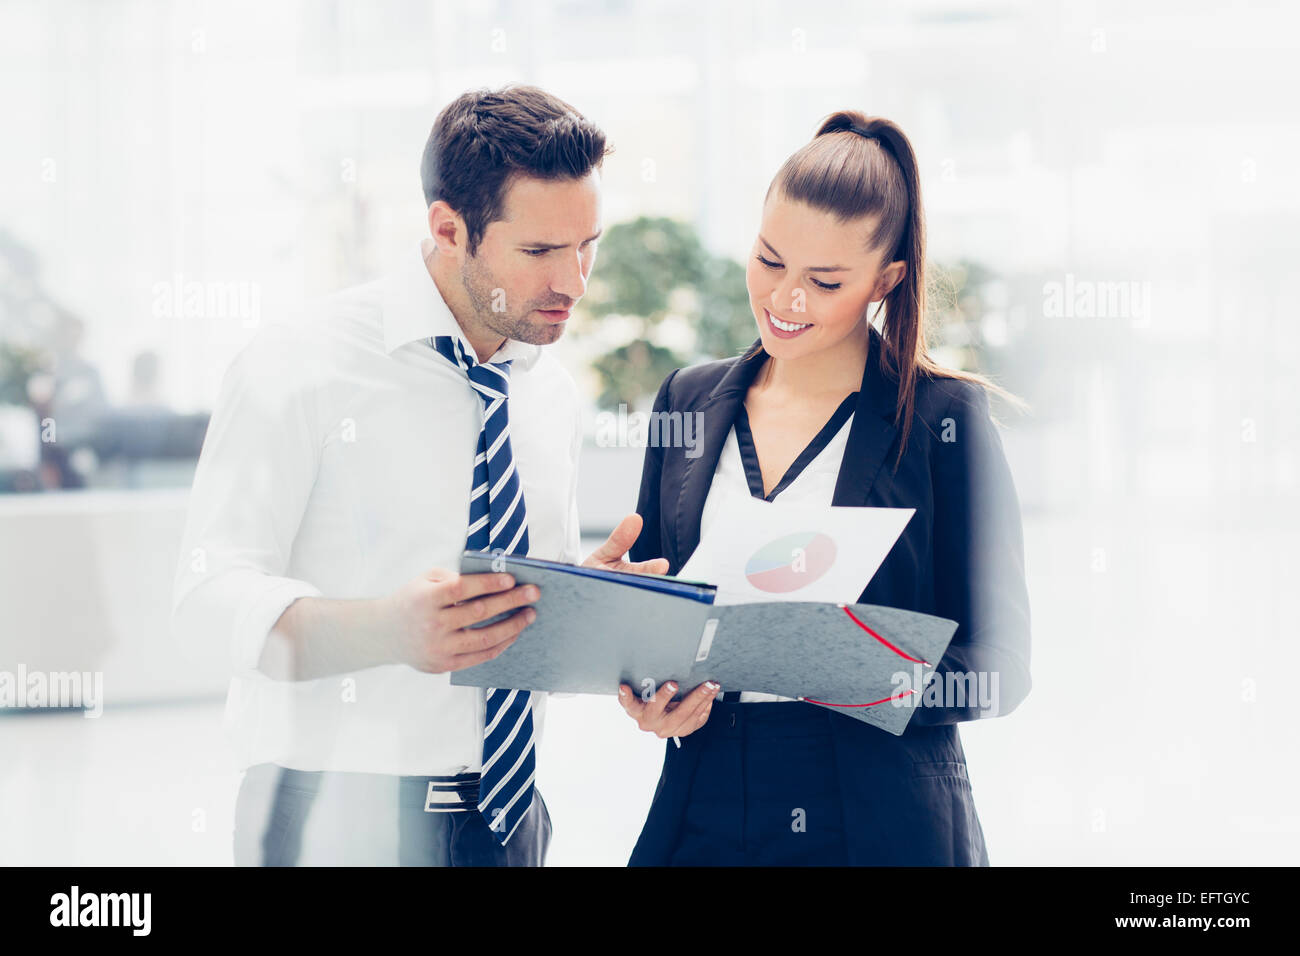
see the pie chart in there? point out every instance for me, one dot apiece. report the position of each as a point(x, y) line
point(790, 562)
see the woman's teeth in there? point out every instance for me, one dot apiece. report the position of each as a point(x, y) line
point(786, 326)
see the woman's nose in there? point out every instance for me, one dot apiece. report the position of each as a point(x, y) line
point(787, 297)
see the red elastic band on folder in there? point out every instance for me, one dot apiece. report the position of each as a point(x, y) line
point(872, 704)
point(896, 650)
point(900, 653)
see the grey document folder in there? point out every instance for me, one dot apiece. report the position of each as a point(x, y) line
point(597, 629)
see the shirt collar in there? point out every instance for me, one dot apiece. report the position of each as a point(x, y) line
point(414, 310)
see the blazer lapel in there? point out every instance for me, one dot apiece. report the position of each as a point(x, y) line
point(718, 415)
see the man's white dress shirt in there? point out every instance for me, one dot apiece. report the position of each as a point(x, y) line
point(338, 464)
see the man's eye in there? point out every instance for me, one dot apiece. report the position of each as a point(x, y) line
point(535, 252)
point(828, 286)
point(768, 262)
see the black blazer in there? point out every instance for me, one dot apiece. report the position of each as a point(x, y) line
point(907, 799)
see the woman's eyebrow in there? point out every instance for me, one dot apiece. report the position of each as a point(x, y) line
point(810, 268)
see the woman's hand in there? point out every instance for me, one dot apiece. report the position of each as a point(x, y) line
point(663, 716)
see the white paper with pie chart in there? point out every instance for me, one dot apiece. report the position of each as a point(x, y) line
point(756, 550)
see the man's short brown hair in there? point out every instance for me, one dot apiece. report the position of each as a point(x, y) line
point(485, 138)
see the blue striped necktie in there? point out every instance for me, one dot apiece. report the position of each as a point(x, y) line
point(497, 521)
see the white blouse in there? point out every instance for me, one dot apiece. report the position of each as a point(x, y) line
point(810, 480)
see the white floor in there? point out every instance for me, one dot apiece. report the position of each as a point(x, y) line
point(154, 785)
point(1160, 729)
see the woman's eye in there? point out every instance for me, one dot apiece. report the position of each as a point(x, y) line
point(768, 263)
point(828, 286)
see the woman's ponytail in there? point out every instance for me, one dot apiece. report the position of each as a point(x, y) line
point(857, 166)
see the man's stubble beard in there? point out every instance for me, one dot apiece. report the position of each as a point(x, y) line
point(479, 286)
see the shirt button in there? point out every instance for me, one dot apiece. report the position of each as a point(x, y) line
point(733, 720)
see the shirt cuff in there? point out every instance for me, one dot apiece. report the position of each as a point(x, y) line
point(260, 616)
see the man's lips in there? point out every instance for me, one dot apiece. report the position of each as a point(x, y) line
point(556, 315)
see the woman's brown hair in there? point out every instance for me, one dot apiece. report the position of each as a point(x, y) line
point(857, 166)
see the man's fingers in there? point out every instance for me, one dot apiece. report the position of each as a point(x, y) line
point(653, 566)
point(473, 640)
point(618, 542)
point(458, 616)
point(462, 661)
point(462, 587)
point(622, 537)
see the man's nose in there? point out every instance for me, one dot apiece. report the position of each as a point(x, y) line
point(571, 279)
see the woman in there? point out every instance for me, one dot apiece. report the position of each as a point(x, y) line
point(825, 409)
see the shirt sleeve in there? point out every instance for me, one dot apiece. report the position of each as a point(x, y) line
point(254, 477)
point(979, 569)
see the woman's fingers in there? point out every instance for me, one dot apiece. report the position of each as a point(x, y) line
point(703, 718)
point(647, 707)
point(648, 711)
point(654, 707)
point(684, 719)
point(661, 715)
point(631, 703)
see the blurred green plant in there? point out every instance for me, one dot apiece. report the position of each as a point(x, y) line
point(956, 307)
point(651, 269)
point(17, 365)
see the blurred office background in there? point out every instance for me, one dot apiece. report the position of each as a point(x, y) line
point(1112, 205)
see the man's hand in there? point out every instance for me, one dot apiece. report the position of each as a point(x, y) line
point(428, 620)
point(609, 556)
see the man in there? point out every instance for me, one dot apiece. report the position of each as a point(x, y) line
point(354, 453)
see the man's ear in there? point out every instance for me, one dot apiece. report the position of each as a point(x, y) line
point(447, 228)
point(889, 277)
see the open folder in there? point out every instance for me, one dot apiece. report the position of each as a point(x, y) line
point(596, 629)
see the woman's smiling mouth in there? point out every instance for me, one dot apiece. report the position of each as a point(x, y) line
point(783, 329)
